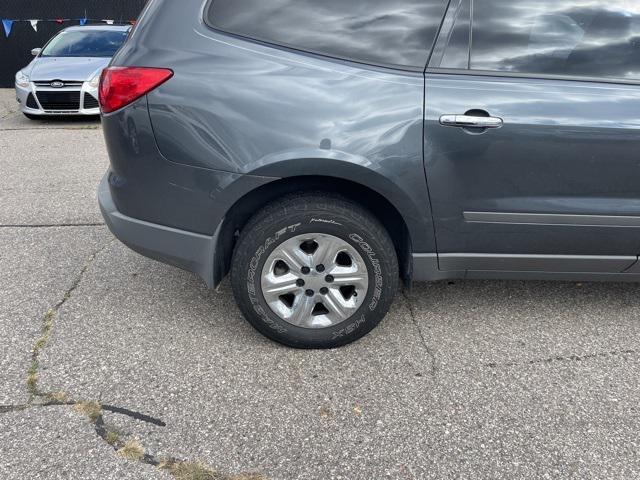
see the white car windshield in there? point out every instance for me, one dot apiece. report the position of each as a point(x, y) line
point(93, 43)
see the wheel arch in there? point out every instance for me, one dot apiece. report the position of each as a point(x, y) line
point(406, 224)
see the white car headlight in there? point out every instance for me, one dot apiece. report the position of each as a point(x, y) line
point(22, 80)
point(95, 81)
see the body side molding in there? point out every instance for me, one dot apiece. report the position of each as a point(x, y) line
point(553, 219)
point(432, 267)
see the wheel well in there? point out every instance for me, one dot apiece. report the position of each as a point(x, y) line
point(240, 213)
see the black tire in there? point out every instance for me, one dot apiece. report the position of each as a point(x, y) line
point(314, 213)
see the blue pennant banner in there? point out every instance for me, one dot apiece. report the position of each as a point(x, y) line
point(8, 25)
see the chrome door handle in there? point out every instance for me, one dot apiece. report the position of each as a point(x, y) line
point(466, 121)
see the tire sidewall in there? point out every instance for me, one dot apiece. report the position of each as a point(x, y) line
point(381, 272)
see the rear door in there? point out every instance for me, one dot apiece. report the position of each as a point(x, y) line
point(532, 135)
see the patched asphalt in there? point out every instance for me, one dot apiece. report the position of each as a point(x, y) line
point(462, 380)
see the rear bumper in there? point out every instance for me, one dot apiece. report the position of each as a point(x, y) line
point(186, 250)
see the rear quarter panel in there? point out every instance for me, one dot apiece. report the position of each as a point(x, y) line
point(247, 108)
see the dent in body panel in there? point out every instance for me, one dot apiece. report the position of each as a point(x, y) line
point(148, 187)
point(245, 108)
point(231, 106)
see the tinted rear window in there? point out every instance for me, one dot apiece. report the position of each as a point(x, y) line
point(381, 32)
point(90, 43)
point(591, 38)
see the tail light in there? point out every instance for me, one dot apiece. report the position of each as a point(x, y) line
point(121, 86)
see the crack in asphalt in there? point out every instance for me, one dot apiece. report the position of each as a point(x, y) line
point(32, 383)
point(49, 319)
point(565, 358)
point(13, 408)
point(103, 432)
point(172, 465)
point(423, 340)
point(109, 408)
point(53, 225)
point(169, 464)
point(135, 415)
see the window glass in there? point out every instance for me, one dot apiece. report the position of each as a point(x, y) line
point(85, 44)
point(456, 54)
point(382, 32)
point(591, 38)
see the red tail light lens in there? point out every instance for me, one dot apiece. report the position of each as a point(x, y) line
point(120, 86)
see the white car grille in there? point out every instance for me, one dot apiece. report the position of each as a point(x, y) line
point(65, 84)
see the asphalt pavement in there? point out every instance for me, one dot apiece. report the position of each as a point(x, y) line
point(113, 366)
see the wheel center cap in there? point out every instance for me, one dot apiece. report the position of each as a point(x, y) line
point(314, 281)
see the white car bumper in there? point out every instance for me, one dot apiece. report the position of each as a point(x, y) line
point(74, 98)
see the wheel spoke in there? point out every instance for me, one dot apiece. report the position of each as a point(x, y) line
point(301, 311)
point(335, 303)
point(295, 258)
point(274, 286)
point(328, 249)
point(349, 277)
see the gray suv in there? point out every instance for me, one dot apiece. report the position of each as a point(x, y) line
point(322, 151)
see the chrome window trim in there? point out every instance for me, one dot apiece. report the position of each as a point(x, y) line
point(529, 76)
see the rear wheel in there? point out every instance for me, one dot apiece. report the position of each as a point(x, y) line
point(314, 271)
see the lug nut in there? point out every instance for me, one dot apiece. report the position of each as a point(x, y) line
point(320, 268)
point(306, 270)
point(329, 278)
point(300, 283)
point(324, 290)
point(310, 293)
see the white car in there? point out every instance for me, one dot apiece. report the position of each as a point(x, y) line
point(63, 77)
